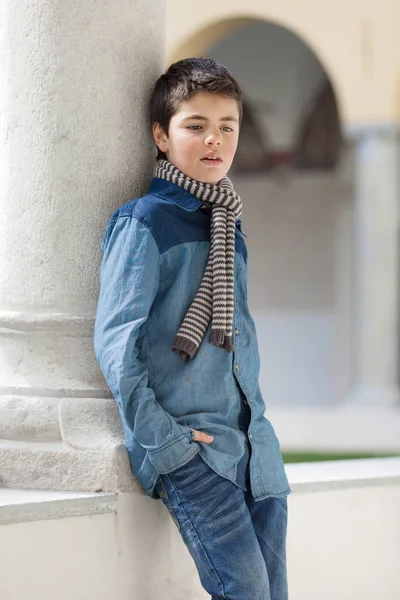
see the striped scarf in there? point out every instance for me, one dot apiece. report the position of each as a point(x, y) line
point(215, 297)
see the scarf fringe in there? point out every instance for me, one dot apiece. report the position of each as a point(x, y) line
point(221, 340)
point(184, 348)
point(218, 337)
point(228, 345)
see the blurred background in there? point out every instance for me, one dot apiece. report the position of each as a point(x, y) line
point(317, 168)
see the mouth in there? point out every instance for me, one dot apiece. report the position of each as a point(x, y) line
point(212, 159)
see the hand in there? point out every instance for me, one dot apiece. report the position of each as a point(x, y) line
point(199, 436)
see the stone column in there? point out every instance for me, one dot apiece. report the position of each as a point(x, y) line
point(376, 266)
point(74, 145)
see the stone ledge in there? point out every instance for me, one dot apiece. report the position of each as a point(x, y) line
point(342, 474)
point(16, 321)
point(19, 506)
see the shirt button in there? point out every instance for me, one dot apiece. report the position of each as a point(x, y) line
point(236, 331)
point(237, 367)
point(203, 206)
point(250, 435)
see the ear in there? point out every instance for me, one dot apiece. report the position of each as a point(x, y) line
point(160, 137)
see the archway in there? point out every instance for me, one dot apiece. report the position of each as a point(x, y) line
point(289, 174)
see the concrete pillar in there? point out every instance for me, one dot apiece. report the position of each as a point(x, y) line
point(74, 145)
point(376, 266)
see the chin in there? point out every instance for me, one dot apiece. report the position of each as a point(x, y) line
point(211, 179)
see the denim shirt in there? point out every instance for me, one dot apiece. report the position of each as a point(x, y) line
point(155, 251)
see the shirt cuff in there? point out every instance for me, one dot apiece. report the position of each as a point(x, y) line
point(175, 453)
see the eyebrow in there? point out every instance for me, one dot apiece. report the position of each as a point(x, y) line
point(202, 118)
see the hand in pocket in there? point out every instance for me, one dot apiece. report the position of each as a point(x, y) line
point(200, 436)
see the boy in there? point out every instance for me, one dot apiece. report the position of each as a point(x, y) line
point(177, 345)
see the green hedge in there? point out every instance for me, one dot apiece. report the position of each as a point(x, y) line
point(297, 457)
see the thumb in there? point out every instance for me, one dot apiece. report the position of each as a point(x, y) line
point(200, 436)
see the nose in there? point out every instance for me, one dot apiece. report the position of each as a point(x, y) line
point(213, 139)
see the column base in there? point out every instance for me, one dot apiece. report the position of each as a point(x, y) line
point(65, 444)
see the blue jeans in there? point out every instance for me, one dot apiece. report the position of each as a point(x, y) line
point(238, 545)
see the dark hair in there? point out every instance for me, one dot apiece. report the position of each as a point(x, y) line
point(183, 80)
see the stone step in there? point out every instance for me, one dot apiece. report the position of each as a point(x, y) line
point(19, 506)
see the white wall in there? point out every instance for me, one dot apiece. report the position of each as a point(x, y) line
point(344, 530)
point(299, 254)
point(135, 554)
point(60, 559)
point(343, 542)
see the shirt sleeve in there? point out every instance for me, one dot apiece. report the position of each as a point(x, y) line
point(129, 280)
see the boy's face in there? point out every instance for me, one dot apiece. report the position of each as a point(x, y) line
point(203, 136)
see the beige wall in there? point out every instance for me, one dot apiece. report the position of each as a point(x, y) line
point(357, 42)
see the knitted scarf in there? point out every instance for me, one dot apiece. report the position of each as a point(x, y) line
point(215, 296)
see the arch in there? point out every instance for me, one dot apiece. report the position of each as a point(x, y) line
point(305, 137)
point(353, 41)
point(203, 38)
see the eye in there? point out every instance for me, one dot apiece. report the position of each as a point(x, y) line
point(227, 129)
point(195, 127)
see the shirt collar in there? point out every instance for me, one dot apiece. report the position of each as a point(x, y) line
point(175, 194)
